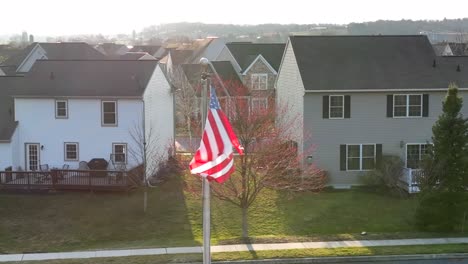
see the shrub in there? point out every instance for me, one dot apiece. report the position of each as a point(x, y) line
point(386, 176)
point(441, 211)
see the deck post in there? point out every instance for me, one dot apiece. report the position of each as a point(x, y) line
point(89, 182)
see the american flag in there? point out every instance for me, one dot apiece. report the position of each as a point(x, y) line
point(214, 158)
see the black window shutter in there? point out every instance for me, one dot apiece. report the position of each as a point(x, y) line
point(343, 157)
point(378, 155)
point(347, 106)
point(390, 105)
point(325, 106)
point(425, 112)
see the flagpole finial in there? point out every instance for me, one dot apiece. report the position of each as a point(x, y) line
point(204, 63)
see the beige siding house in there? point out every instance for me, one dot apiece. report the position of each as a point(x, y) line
point(257, 64)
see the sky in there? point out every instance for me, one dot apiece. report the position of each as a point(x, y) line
point(66, 17)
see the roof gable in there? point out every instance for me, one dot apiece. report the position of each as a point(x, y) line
point(264, 61)
point(246, 53)
point(224, 69)
point(7, 115)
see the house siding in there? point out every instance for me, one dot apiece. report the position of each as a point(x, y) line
point(290, 93)
point(5, 155)
point(368, 124)
point(9, 152)
point(159, 120)
point(36, 54)
point(83, 126)
point(259, 67)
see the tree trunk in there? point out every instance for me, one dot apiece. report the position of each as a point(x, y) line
point(145, 200)
point(189, 128)
point(245, 222)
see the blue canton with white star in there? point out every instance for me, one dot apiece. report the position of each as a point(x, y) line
point(214, 103)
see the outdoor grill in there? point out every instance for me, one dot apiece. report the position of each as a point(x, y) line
point(98, 164)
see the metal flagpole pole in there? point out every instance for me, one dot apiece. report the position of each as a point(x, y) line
point(206, 184)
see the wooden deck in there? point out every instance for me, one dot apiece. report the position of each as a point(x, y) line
point(68, 180)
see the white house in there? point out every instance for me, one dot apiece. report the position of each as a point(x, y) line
point(72, 111)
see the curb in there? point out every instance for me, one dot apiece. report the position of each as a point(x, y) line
point(455, 256)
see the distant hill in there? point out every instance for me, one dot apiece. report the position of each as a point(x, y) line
point(408, 27)
point(280, 32)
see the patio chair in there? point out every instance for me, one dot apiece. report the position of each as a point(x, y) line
point(43, 173)
point(63, 173)
point(83, 165)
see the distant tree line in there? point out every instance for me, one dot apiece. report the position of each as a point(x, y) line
point(408, 27)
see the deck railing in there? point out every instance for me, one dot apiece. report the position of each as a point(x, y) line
point(411, 178)
point(67, 179)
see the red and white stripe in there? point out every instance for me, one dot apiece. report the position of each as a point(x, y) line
point(214, 158)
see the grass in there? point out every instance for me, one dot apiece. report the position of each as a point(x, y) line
point(276, 254)
point(84, 221)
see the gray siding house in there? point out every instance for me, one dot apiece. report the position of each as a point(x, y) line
point(361, 97)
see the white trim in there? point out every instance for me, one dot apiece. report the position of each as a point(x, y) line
point(115, 112)
point(257, 75)
point(281, 64)
point(258, 99)
point(406, 150)
point(233, 58)
point(66, 108)
point(260, 57)
point(360, 155)
point(27, 57)
point(125, 146)
point(342, 106)
point(383, 90)
point(408, 106)
point(77, 151)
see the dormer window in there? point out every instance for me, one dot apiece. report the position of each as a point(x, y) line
point(61, 109)
point(259, 81)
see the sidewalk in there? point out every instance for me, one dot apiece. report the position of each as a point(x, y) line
point(229, 248)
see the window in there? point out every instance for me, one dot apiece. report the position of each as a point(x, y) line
point(119, 152)
point(360, 157)
point(407, 105)
point(259, 81)
point(61, 109)
point(336, 106)
point(415, 154)
point(259, 104)
point(71, 151)
point(109, 113)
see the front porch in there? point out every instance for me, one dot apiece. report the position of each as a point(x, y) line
point(410, 180)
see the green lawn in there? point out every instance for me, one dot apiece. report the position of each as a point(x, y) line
point(81, 221)
point(276, 254)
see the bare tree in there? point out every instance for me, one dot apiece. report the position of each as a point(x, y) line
point(150, 153)
point(272, 158)
point(186, 100)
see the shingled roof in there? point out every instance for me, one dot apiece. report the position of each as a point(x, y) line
point(245, 53)
point(58, 51)
point(7, 115)
point(151, 49)
point(87, 78)
point(367, 62)
point(224, 69)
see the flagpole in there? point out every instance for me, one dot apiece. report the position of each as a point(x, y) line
point(206, 184)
